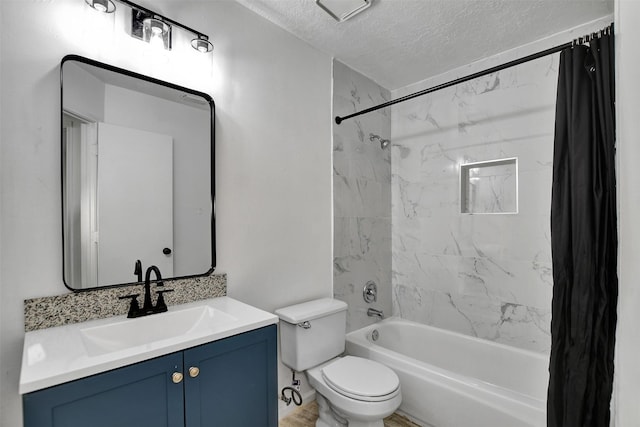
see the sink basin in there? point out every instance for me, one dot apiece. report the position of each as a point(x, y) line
point(154, 328)
point(66, 353)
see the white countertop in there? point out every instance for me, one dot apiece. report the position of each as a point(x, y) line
point(57, 355)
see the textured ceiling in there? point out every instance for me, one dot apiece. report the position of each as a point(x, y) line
point(399, 42)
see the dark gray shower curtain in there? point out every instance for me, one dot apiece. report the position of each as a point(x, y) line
point(583, 239)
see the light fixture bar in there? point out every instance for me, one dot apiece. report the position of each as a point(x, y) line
point(165, 19)
point(142, 15)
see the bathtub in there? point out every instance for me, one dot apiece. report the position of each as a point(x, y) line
point(454, 380)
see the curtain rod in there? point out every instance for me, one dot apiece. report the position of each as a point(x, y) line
point(606, 31)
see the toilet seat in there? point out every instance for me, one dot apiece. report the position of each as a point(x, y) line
point(361, 379)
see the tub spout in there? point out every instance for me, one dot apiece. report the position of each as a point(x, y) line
point(372, 312)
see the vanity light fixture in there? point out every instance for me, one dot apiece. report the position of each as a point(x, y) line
point(104, 6)
point(152, 27)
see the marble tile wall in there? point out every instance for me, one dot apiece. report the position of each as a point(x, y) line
point(361, 196)
point(482, 275)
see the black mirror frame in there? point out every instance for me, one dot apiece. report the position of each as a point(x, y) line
point(133, 74)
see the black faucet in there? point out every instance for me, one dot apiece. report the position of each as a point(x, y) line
point(147, 307)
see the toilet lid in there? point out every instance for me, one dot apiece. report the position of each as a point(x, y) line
point(360, 378)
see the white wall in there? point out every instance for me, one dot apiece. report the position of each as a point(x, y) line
point(273, 157)
point(627, 370)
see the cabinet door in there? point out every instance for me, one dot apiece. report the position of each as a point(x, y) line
point(237, 382)
point(140, 395)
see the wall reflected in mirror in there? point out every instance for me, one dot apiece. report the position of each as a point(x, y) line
point(137, 176)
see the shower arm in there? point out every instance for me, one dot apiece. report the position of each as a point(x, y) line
point(384, 143)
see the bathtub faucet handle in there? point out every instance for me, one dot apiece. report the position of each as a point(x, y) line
point(370, 292)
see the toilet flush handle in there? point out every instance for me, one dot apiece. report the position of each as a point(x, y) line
point(305, 324)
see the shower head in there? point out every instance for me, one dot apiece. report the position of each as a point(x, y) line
point(384, 143)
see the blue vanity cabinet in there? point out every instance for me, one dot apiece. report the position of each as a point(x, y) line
point(138, 395)
point(236, 382)
point(231, 382)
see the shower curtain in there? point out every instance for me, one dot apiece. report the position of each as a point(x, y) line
point(583, 239)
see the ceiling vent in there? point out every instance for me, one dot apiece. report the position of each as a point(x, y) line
point(341, 10)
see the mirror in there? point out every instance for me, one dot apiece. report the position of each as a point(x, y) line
point(137, 176)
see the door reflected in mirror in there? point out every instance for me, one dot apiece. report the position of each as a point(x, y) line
point(137, 176)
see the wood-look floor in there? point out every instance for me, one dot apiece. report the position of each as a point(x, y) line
point(306, 416)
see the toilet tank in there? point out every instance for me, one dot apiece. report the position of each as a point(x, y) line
point(312, 332)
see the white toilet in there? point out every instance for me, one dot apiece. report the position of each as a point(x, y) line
point(351, 391)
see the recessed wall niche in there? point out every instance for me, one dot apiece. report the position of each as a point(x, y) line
point(489, 187)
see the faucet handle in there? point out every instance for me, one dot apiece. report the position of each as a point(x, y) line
point(138, 270)
point(161, 306)
point(134, 307)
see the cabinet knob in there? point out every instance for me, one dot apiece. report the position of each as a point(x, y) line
point(177, 377)
point(193, 371)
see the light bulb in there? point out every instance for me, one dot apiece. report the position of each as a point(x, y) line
point(156, 40)
point(156, 33)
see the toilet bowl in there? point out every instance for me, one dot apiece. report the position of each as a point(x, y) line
point(354, 392)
